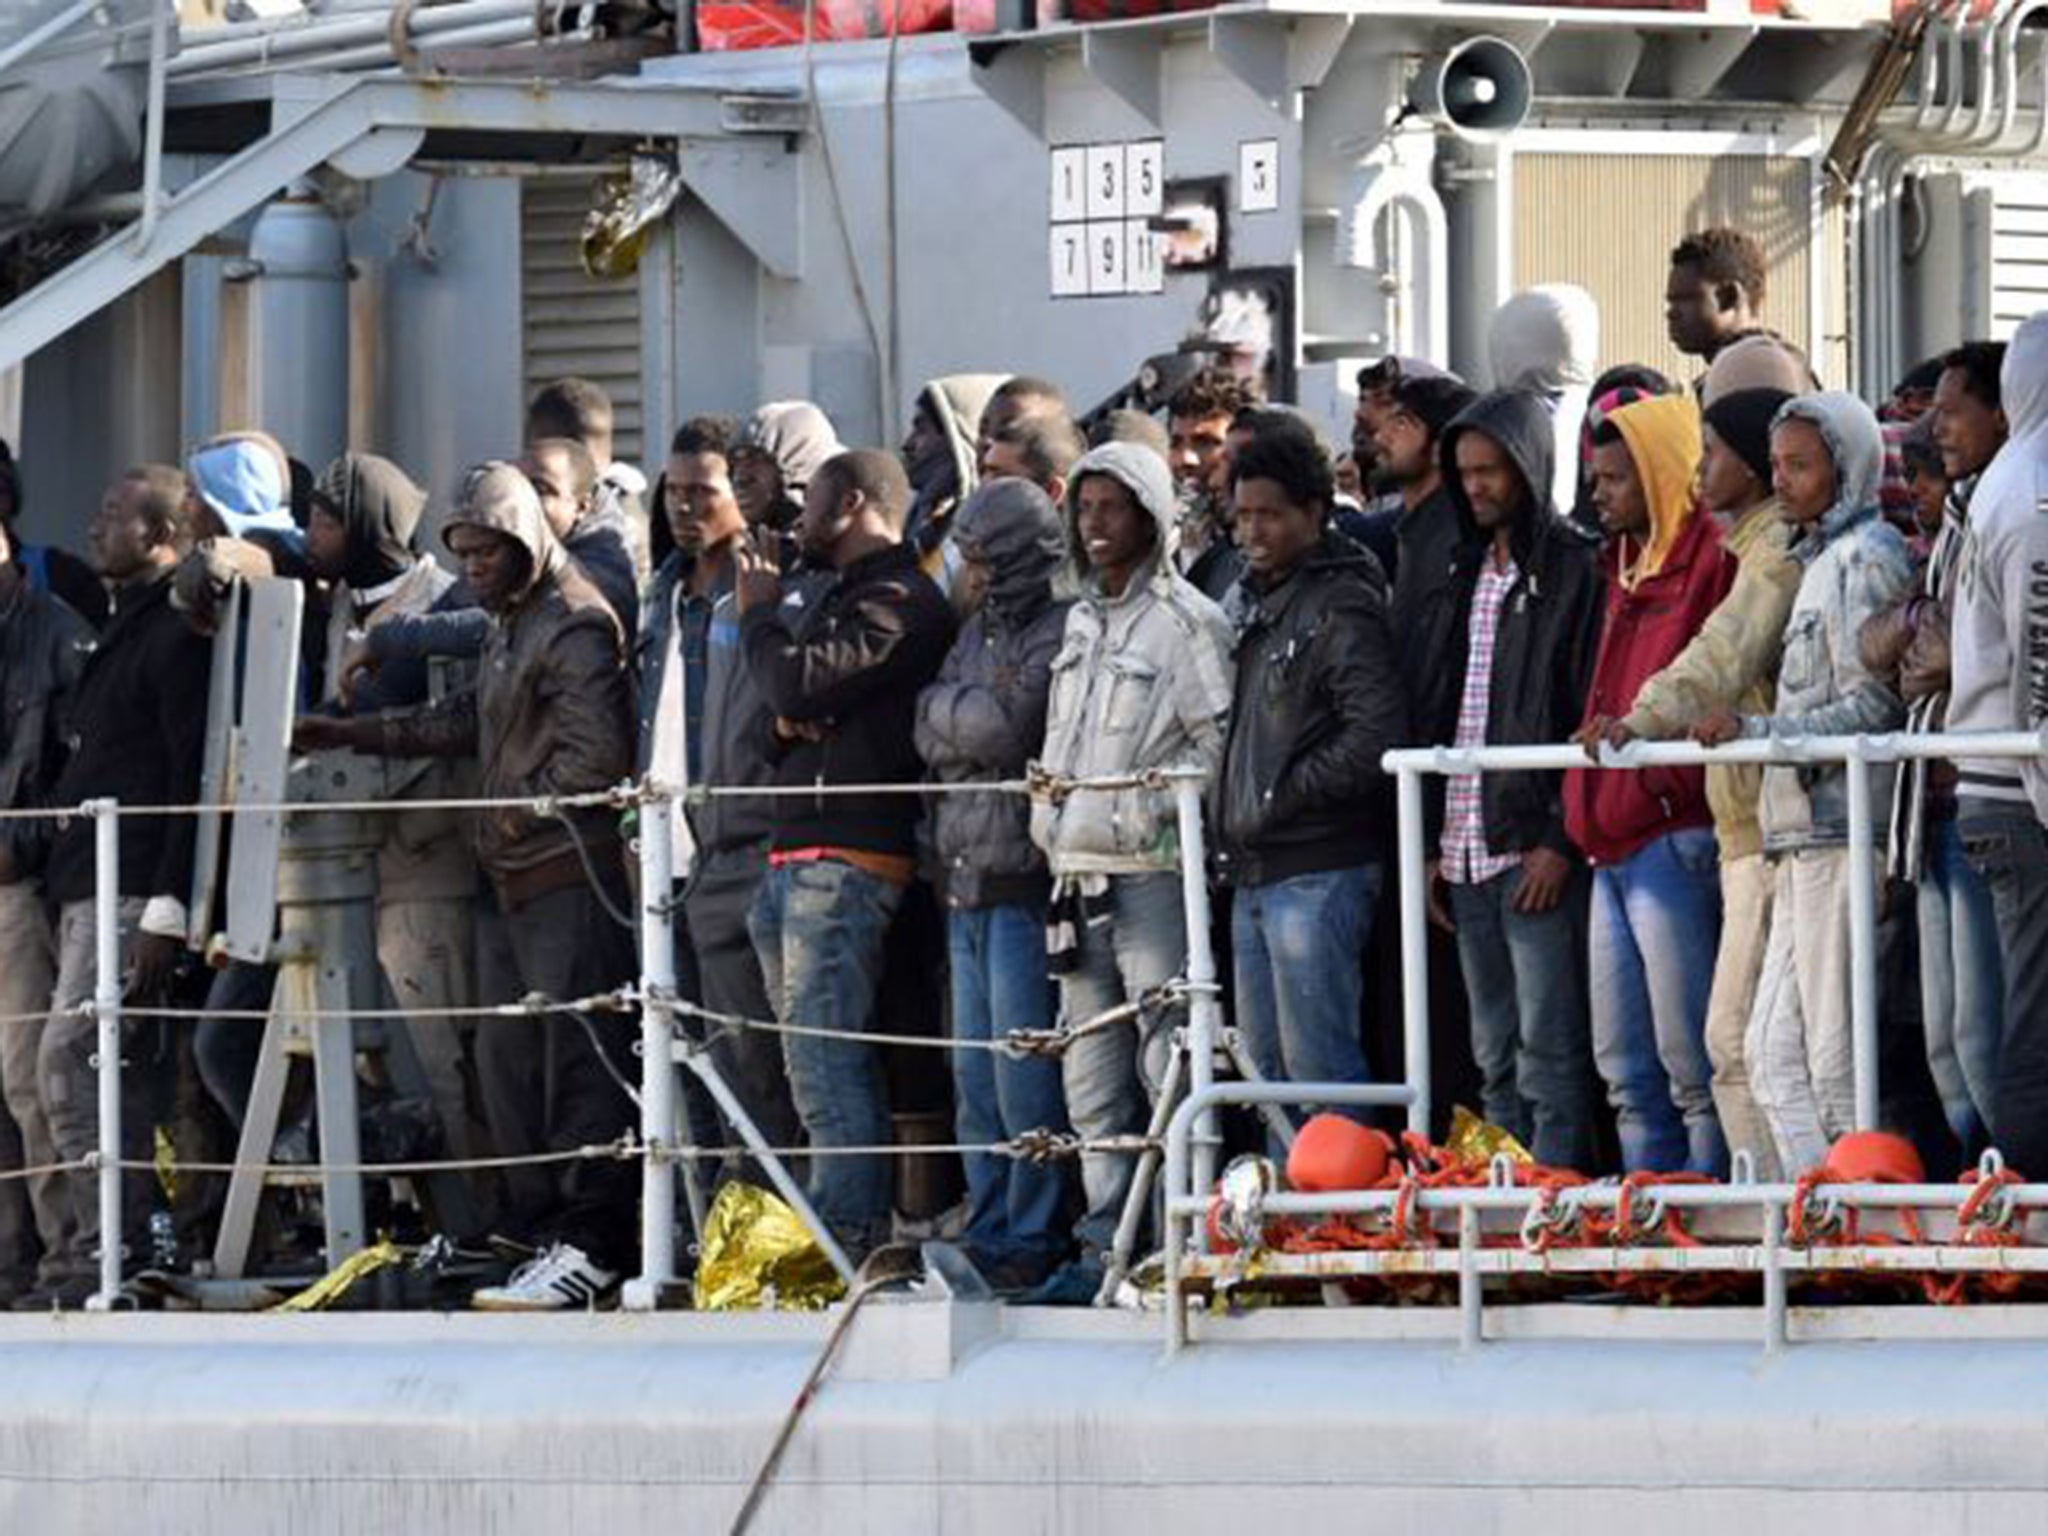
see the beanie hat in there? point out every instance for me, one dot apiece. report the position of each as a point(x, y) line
point(1743, 421)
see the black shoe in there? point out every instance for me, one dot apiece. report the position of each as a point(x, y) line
point(67, 1295)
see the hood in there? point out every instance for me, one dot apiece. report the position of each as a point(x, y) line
point(246, 485)
point(1013, 526)
point(1145, 475)
point(498, 497)
point(956, 403)
point(1663, 437)
point(2023, 383)
point(1546, 339)
point(798, 436)
point(381, 508)
point(1856, 443)
point(1519, 422)
point(1756, 362)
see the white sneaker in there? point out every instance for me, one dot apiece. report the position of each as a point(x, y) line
point(558, 1278)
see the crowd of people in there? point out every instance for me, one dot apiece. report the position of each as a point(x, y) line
point(844, 642)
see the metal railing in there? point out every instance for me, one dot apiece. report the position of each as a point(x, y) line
point(1188, 1190)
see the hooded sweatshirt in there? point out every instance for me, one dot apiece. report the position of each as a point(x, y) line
point(1853, 565)
point(1732, 662)
point(1549, 629)
point(1142, 680)
point(551, 713)
point(984, 715)
point(1546, 340)
point(945, 475)
point(800, 438)
point(1998, 662)
point(1660, 591)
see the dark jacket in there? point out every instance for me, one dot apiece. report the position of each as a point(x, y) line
point(551, 713)
point(734, 722)
point(1427, 536)
point(138, 735)
point(1318, 700)
point(43, 646)
point(1549, 631)
point(984, 717)
point(849, 659)
point(601, 544)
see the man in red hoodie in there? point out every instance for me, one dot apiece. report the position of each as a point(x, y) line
point(1648, 833)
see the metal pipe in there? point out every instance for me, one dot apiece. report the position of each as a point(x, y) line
point(1775, 1331)
point(1205, 1008)
point(657, 1059)
point(1414, 898)
point(153, 123)
point(322, 38)
point(27, 44)
point(1862, 945)
point(1760, 750)
point(1471, 1289)
point(486, 35)
point(1517, 1200)
point(106, 1005)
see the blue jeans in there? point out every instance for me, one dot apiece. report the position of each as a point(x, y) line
point(819, 929)
point(2008, 848)
point(1001, 985)
point(1525, 979)
point(1111, 1075)
point(1656, 924)
point(1962, 982)
point(1298, 946)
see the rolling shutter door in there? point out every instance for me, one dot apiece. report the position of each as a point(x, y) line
point(574, 323)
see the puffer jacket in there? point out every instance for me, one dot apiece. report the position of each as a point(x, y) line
point(1319, 700)
point(43, 646)
point(1543, 652)
point(984, 716)
point(1732, 663)
point(551, 713)
point(1855, 563)
point(1658, 596)
point(1142, 681)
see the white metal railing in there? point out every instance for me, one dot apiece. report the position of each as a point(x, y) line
point(1188, 1189)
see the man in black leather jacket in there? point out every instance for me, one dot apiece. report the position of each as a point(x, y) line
point(1297, 802)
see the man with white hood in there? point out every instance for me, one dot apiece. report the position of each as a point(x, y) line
point(1999, 682)
point(1142, 681)
point(1545, 341)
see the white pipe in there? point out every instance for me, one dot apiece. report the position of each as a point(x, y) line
point(495, 34)
point(1205, 1011)
point(1414, 877)
point(1358, 244)
point(1862, 947)
point(657, 1058)
point(106, 1006)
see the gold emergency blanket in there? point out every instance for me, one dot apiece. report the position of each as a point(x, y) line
point(1476, 1142)
point(758, 1254)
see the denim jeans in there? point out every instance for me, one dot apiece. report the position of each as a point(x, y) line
point(1112, 1074)
point(1656, 921)
point(1524, 974)
point(1000, 986)
point(1299, 945)
point(2008, 847)
point(819, 928)
point(1962, 982)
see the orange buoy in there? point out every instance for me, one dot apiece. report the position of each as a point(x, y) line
point(1332, 1153)
point(1874, 1157)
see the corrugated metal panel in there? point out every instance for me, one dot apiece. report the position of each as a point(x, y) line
point(1608, 223)
point(2019, 252)
point(574, 323)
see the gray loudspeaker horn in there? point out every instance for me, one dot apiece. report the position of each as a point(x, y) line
point(1481, 89)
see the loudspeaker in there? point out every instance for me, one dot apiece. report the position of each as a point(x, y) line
point(1481, 89)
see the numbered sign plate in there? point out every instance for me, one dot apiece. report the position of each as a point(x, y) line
point(1258, 176)
point(1103, 199)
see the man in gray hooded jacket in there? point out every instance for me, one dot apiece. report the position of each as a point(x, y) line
point(983, 719)
point(1142, 681)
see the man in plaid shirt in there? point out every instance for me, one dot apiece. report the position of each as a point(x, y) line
point(1516, 630)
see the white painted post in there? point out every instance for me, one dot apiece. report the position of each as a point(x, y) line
point(1205, 1009)
point(1862, 942)
point(657, 1060)
point(1414, 944)
point(106, 1006)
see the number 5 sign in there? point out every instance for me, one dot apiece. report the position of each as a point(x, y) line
point(1258, 176)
